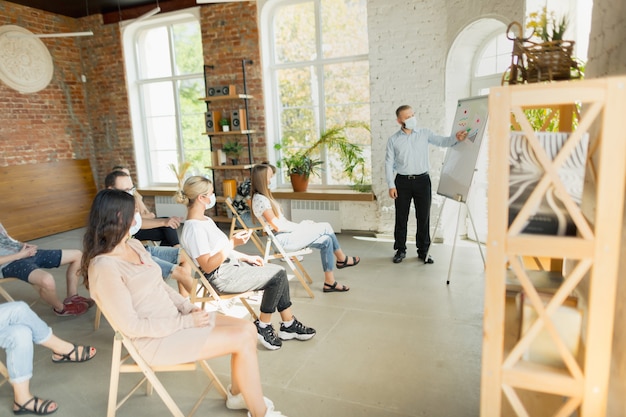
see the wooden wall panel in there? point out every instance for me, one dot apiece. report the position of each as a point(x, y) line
point(46, 198)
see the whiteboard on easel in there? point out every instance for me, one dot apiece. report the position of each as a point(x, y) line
point(460, 162)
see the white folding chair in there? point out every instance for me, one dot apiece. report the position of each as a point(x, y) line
point(133, 362)
point(237, 220)
point(205, 292)
point(291, 258)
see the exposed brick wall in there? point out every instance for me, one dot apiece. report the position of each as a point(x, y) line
point(230, 33)
point(107, 99)
point(51, 124)
point(409, 41)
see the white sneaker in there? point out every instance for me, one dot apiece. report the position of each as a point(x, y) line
point(271, 413)
point(236, 402)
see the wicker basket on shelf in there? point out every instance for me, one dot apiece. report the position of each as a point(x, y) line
point(550, 61)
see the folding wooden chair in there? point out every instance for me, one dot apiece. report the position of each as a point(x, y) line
point(4, 373)
point(205, 292)
point(133, 362)
point(237, 220)
point(4, 292)
point(291, 258)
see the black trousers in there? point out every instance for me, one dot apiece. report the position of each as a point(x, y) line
point(416, 188)
point(167, 235)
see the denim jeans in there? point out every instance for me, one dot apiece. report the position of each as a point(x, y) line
point(166, 257)
point(20, 327)
point(236, 277)
point(315, 235)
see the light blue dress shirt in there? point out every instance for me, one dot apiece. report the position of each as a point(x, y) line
point(407, 154)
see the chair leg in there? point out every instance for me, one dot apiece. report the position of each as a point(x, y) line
point(249, 308)
point(301, 268)
point(4, 372)
point(96, 322)
point(115, 375)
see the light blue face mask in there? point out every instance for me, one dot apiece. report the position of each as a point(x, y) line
point(410, 123)
point(135, 228)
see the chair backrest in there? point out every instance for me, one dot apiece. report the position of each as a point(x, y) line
point(238, 220)
point(291, 258)
point(133, 362)
point(205, 292)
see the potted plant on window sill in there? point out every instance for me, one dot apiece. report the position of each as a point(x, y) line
point(232, 150)
point(302, 164)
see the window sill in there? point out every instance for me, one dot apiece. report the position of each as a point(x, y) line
point(160, 191)
point(324, 195)
point(283, 194)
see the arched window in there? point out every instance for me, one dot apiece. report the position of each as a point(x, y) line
point(317, 76)
point(165, 79)
point(491, 62)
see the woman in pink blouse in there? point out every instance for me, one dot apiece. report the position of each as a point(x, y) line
point(166, 328)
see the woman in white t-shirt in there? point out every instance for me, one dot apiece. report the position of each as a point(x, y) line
point(231, 271)
point(295, 236)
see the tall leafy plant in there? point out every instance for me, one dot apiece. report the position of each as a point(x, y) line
point(334, 139)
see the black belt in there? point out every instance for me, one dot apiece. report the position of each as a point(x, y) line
point(210, 275)
point(412, 177)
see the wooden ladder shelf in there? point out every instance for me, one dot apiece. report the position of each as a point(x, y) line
point(592, 255)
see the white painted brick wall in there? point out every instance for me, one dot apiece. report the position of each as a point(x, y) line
point(409, 42)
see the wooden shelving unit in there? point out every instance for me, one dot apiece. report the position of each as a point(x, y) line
point(593, 255)
point(243, 98)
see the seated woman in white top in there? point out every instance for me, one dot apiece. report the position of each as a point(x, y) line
point(295, 236)
point(231, 271)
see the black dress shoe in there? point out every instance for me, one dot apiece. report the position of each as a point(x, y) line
point(430, 259)
point(399, 256)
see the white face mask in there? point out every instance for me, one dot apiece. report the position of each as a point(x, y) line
point(211, 203)
point(410, 123)
point(135, 228)
point(272, 184)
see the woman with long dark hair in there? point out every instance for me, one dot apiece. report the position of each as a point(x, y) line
point(166, 328)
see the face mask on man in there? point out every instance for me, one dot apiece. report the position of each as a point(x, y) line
point(135, 228)
point(211, 203)
point(410, 123)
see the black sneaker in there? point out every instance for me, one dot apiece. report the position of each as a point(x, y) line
point(267, 336)
point(297, 330)
point(399, 256)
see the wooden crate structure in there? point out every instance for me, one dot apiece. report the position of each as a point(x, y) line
point(581, 385)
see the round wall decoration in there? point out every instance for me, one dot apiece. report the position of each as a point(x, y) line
point(25, 62)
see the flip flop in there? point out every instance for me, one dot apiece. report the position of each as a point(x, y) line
point(333, 287)
point(73, 355)
point(345, 264)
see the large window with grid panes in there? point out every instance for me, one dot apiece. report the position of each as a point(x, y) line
point(164, 64)
point(318, 74)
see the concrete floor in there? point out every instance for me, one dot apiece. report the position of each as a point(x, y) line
point(400, 343)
